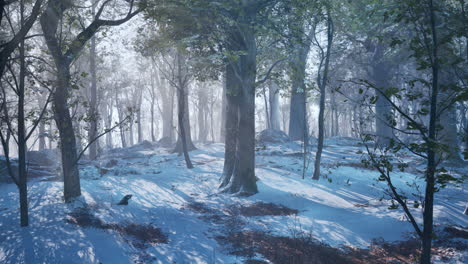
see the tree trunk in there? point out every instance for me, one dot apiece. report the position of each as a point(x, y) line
point(383, 110)
point(186, 125)
point(138, 108)
point(183, 109)
point(153, 136)
point(428, 212)
point(93, 113)
point(42, 136)
point(167, 111)
point(22, 147)
point(241, 73)
point(267, 110)
point(231, 123)
point(202, 124)
point(322, 85)
point(64, 124)
point(182, 132)
point(139, 128)
point(107, 109)
point(51, 138)
point(448, 117)
point(297, 126)
point(130, 134)
point(274, 106)
point(121, 117)
point(224, 106)
point(153, 102)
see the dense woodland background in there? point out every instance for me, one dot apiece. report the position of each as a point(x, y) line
point(85, 78)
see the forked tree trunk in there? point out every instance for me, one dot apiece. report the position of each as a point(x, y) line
point(50, 20)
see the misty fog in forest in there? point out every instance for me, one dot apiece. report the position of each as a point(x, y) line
point(233, 131)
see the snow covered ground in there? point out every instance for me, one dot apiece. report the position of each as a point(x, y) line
point(344, 209)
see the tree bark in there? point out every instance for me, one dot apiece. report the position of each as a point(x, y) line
point(167, 110)
point(297, 124)
point(68, 146)
point(42, 128)
point(93, 113)
point(182, 110)
point(202, 122)
point(231, 123)
point(322, 85)
point(274, 105)
point(50, 20)
point(22, 173)
point(224, 106)
point(428, 217)
point(242, 72)
point(185, 121)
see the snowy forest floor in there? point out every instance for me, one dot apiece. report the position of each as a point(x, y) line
point(176, 215)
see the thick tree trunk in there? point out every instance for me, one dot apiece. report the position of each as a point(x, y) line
point(231, 123)
point(243, 73)
point(297, 124)
point(64, 124)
